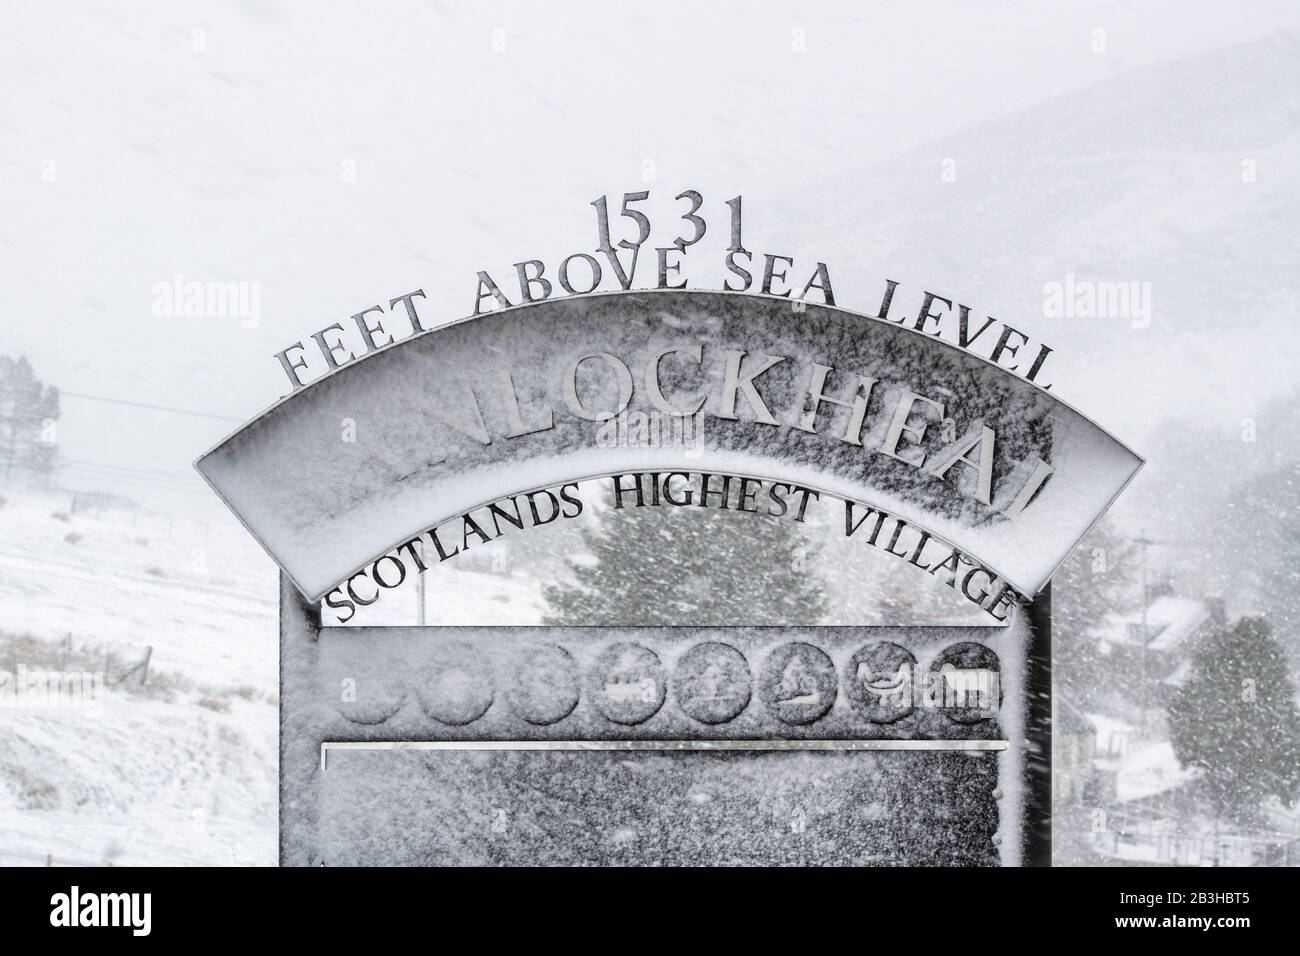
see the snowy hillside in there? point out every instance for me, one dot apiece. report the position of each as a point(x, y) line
point(182, 769)
point(1179, 175)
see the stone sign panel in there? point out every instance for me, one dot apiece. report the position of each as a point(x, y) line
point(640, 745)
point(475, 412)
point(447, 735)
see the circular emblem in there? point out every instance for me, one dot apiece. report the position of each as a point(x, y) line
point(880, 682)
point(798, 683)
point(712, 682)
point(456, 687)
point(546, 685)
point(367, 701)
point(628, 684)
point(966, 682)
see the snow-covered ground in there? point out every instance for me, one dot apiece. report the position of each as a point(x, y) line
point(198, 589)
point(1147, 769)
point(182, 770)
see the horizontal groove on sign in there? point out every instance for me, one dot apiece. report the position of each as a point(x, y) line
point(661, 745)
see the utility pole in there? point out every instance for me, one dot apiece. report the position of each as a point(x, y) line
point(1143, 542)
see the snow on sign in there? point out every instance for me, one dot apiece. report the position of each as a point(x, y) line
point(661, 745)
point(416, 745)
point(896, 424)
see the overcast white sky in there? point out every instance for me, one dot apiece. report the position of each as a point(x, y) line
point(133, 149)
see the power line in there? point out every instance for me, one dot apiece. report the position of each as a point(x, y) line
point(130, 469)
point(157, 477)
point(104, 477)
point(152, 479)
point(135, 483)
point(156, 408)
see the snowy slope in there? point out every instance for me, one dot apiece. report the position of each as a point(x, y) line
point(201, 592)
point(182, 771)
point(1138, 178)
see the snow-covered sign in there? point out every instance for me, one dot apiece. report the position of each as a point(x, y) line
point(652, 745)
point(365, 459)
point(404, 457)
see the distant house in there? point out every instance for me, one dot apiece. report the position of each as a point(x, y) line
point(1074, 744)
point(1115, 742)
point(1159, 644)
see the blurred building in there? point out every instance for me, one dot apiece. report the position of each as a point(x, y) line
point(1155, 645)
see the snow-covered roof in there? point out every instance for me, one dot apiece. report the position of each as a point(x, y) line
point(1170, 621)
point(1150, 769)
point(1177, 618)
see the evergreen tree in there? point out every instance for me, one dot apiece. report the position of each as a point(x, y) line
point(1236, 719)
point(26, 406)
point(669, 565)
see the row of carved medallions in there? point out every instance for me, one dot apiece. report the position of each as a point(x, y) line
point(711, 683)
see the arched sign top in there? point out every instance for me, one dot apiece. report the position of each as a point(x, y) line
point(421, 431)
